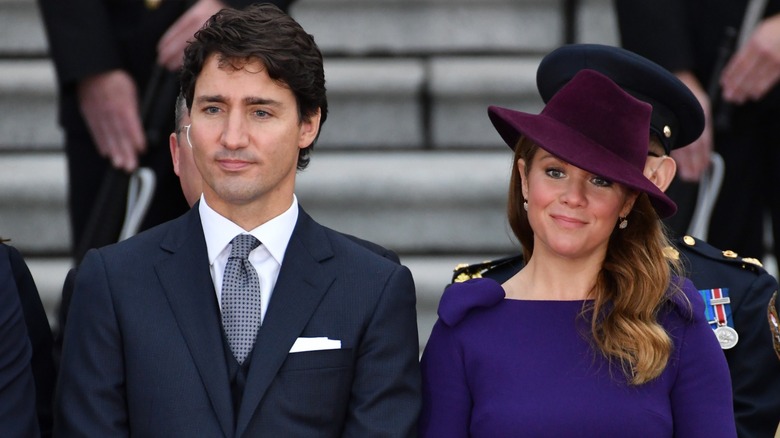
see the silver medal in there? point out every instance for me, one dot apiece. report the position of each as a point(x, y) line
point(727, 337)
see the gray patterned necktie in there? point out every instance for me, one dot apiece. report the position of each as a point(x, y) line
point(241, 298)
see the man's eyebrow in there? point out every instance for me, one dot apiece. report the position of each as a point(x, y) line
point(247, 100)
point(210, 98)
point(261, 101)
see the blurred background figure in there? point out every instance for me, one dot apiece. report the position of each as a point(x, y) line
point(728, 54)
point(181, 154)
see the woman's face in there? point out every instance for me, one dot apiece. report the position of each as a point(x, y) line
point(571, 211)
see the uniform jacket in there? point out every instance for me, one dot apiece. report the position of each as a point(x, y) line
point(143, 349)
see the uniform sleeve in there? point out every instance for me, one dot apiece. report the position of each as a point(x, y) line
point(701, 394)
point(81, 39)
point(90, 398)
point(385, 398)
point(651, 28)
point(755, 369)
point(446, 398)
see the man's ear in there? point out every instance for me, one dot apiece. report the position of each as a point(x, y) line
point(309, 130)
point(660, 171)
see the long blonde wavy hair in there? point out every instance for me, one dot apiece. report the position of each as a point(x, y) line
point(630, 289)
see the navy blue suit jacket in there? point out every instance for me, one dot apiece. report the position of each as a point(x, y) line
point(17, 388)
point(143, 348)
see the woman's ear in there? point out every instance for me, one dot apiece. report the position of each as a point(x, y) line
point(523, 176)
point(628, 205)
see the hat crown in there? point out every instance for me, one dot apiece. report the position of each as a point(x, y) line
point(594, 125)
point(600, 110)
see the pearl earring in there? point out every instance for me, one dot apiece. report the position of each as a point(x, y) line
point(623, 223)
point(525, 205)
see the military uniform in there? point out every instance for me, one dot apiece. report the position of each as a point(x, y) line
point(754, 368)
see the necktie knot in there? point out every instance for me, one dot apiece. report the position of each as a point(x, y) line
point(243, 244)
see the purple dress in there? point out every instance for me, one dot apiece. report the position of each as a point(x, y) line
point(509, 368)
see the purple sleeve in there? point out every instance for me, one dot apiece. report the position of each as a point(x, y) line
point(447, 403)
point(701, 396)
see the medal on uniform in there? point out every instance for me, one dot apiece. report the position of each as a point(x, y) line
point(717, 310)
point(774, 323)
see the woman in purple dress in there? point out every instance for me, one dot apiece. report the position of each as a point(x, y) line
point(597, 336)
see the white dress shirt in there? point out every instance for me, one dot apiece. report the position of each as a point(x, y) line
point(273, 235)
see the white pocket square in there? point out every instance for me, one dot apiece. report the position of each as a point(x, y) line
point(314, 344)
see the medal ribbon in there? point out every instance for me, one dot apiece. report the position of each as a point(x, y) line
point(717, 311)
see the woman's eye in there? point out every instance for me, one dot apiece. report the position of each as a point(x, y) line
point(601, 182)
point(555, 173)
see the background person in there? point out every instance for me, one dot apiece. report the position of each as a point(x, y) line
point(744, 95)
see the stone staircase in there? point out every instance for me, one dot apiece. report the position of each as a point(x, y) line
point(408, 157)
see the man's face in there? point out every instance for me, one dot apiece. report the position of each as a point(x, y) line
point(246, 136)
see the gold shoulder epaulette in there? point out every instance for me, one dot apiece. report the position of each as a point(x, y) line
point(753, 261)
point(464, 272)
point(671, 253)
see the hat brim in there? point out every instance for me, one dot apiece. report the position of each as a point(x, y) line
point(577, 149)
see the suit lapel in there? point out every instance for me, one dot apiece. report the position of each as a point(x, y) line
point(299, 289)
point(187, 282)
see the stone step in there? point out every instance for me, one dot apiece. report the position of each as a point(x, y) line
point(431, 275)
point(32, 203)
point(21, 29)
point(415, 202)
point(360, 27)
point(28, 102)
point(406, 103)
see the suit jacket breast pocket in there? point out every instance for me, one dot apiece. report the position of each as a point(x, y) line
point(314, 385)
point(318, 359)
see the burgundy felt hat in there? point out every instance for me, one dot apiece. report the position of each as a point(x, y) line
point(595, 125)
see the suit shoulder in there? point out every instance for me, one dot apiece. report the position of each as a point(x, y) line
point(695, 249)
point(362, 249)
point(499, 269)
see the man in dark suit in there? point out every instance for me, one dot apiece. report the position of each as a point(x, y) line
point(109, 56)
point(18, 395)
point(676, 121)
point(145, 350)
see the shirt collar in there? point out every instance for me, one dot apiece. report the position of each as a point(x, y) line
point(274, 234)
